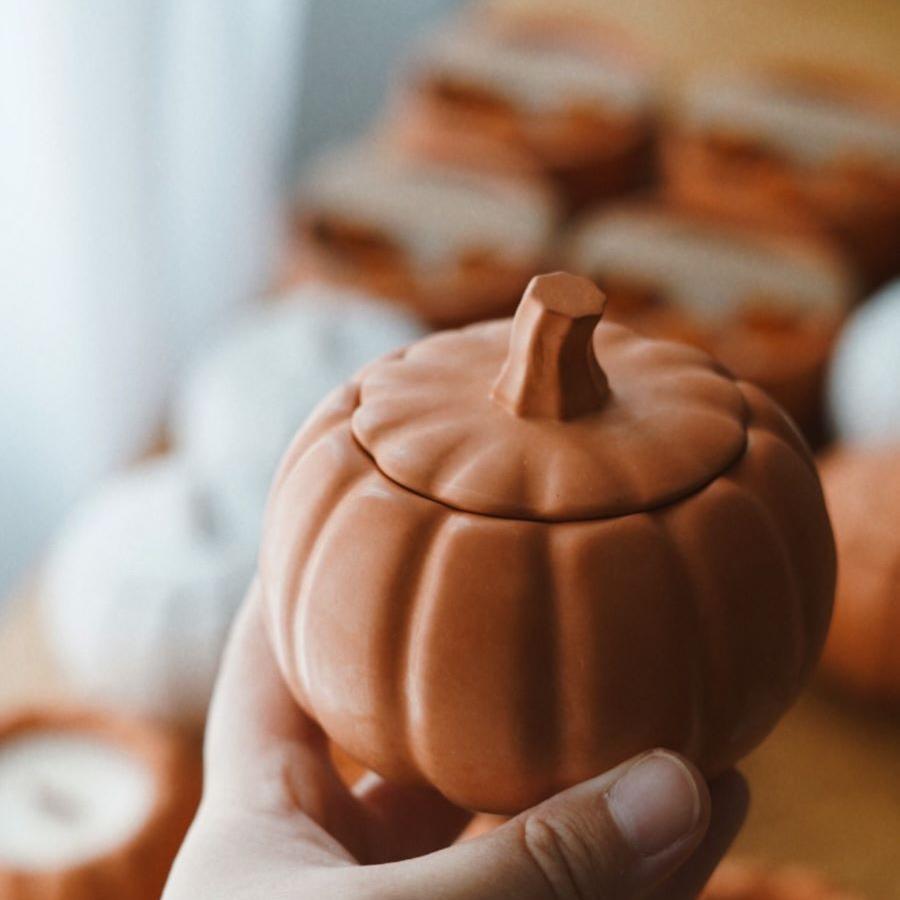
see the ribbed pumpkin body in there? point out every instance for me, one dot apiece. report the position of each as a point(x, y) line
point(502, 659)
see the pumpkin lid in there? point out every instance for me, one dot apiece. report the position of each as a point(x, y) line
point(550, 416)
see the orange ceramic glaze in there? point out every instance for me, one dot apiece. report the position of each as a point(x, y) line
point(862, 488)
point(554, 94)
point(517, 554)
point(739, 880)
point(133, 868)
point(799, 149)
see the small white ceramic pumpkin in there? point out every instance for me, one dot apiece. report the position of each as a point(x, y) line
point(864, 384)
point(244, 399)
point(139, 592)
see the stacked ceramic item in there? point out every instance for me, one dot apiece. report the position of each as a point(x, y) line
point(562, 96)
point(768, 306)
point(451, 245)
point(94, 808)
point(795, 148)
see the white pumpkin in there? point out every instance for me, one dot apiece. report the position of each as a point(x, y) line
point(244, 399)
point(139, 592)
point(864, 383)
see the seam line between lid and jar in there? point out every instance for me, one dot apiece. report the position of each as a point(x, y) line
point(676, 498)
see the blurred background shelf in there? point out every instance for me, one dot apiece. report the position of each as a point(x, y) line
point(696, 34)
point(825, 786)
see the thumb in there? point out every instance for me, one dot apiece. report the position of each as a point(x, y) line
point(616, 836)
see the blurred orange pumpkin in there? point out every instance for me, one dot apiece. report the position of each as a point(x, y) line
point(862, 488)
point(766, 305)
point(491, 565)
point(797, 147)
point(555, 94)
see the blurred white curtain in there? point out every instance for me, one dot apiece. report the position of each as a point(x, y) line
point(143, 149)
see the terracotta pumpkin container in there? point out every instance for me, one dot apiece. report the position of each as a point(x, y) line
point(798, 148)
point(741, 880)
point(862, 488)
point(516, 554)
point(91, 807)
point(448, 245)
point(555, 94)
point(766, 305)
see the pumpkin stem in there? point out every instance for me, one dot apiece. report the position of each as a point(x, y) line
point(551, 370)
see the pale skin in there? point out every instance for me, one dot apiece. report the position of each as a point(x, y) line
point(277, 822)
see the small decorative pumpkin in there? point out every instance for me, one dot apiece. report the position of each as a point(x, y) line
point(91, 808)
point(864, 380)
point(240, 403)
point(799, 148)
point(862, 488)
point(139, 592)
point(516, 554)
point(556, 94)
point(767, 306)
point(743, 880)
point(452, 246)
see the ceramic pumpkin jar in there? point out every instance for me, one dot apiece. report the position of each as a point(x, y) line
point(798, 148)
point(239, 403)
point(138, 594)
point(744, 880)
point(558, 94)
point(862, 488)
point(519, 553)
point(864, 377)
point(91, 807)
point(450, 245)
point(767, 305)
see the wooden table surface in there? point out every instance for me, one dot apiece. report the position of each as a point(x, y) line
point(825, 786)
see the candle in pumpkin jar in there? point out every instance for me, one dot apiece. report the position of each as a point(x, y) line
point(68, 796)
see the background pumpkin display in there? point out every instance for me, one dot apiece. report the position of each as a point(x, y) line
point(460, 533)
point(139, 592)
point(767, 306)
point(864, 379)
point(94, 808)
point(240, 402)
point(794, 148)
point(862, 487)
point(449, 245)
point(556, 94)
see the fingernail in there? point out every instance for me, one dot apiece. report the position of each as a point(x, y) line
point(655, 803)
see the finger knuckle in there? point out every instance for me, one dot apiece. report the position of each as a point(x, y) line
point(569, 853)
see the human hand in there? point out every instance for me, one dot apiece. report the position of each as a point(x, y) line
point(277, 822)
